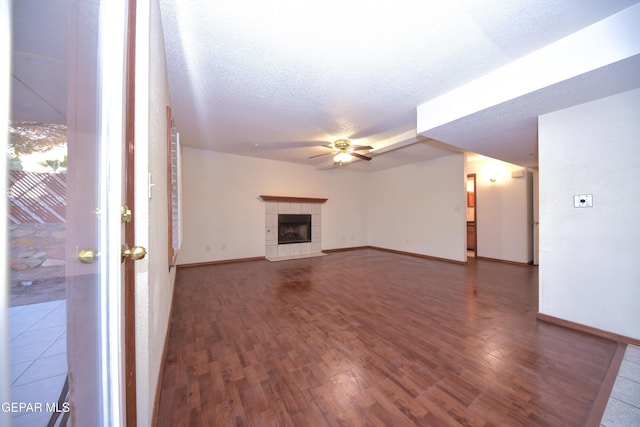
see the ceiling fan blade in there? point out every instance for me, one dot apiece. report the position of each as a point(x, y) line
point(362, 147)
point(360, 156)
point(283, 145)
point(319, 155)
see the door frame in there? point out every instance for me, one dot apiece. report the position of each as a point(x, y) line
point(129, 227)
point(5, 73)
point(535, 223)
point(475, 212)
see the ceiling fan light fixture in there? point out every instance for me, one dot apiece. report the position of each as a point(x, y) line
point(342, 156)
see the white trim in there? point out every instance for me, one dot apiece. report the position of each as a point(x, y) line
point(112, 55)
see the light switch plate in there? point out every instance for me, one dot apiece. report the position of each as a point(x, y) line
point(583, 201)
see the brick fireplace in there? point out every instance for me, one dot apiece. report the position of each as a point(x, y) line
point(288, 209)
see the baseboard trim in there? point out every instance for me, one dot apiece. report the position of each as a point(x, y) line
point(292, 257)
point(355, 248)
point(156, 400)
point(394, 251)
point(587, 329)
point(224, 261)
point(504, 261)
point(352, 248)
point(602, 398)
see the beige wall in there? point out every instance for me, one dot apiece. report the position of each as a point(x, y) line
point(589, 256)
point(225, 219)
point(503, 210)
point(420, 208)
point(154, 281)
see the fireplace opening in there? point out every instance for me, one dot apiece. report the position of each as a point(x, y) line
point(293, 228)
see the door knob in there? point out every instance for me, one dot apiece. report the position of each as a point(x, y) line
point(134, 253)
point(87, 256)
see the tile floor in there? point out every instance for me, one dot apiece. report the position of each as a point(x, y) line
point(38, 358)
point(623, 408)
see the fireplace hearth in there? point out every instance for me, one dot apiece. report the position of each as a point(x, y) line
point(294, 228)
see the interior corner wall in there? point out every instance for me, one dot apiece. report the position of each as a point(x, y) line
point(503, 210)
point(154, 280)
point(224, 218)
point(589, 256)
point(420, 208)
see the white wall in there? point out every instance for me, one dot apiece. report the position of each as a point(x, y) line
point(154, 281)
point(589, 257)
point(503, 208)
point(225, 219)
point(420, 208)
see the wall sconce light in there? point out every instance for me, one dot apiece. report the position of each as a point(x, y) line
point(494, 171)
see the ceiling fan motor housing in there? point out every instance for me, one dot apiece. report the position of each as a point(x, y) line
point(342, 144)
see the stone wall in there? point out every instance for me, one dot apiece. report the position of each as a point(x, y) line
point(37, 252)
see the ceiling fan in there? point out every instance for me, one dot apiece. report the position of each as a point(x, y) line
point(343, 151)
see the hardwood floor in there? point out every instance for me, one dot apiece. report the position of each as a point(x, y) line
point(368, 337)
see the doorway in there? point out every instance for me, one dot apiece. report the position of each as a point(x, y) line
point(472, 234)
point(65, 316)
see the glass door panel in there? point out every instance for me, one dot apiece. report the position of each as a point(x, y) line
point(66, 147)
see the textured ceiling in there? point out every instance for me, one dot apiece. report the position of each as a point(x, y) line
point(276, 79)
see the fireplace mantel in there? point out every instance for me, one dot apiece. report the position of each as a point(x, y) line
point(291, 199)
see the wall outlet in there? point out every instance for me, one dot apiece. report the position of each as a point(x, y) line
point(583, 201)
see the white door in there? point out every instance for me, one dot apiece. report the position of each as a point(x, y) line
point(93, 52)
point(96, 140)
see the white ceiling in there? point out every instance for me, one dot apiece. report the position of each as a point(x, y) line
point(39, 61)
point(276, 79)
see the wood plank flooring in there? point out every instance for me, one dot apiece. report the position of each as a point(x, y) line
point(367, 337)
